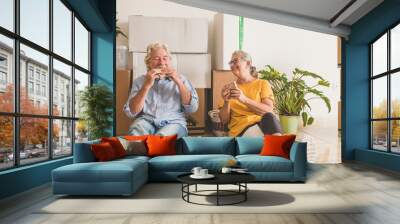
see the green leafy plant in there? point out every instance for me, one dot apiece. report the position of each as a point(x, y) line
point(118, 30)
point(292, 96)
point(96, 102)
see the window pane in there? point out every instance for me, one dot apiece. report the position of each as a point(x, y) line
point(395, 138)
point(81, 131)
point(81, 81)
point(62, 89)
point(379, 97)
point(34, 72)
point(81, 45)
point(395, 94)
point(33, 140)
point(6, 142)
point(379, 55)
point(62, 138)
point(7, 14)
point(62, 29)
point(395, 47)
point(379, 135)
point(35, 21)
point(6, 74)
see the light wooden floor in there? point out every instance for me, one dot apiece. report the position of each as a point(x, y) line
point(379, 189)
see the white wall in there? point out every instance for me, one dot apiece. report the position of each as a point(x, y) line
point(286, 48)
point(160, 8)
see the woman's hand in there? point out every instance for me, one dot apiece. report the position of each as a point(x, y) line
point(225, 92)
point(236, 93)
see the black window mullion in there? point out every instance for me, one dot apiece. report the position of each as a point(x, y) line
point(73, 81)
point(389, 106)
point(50, 87)
point(16, 84)
point(371, 88)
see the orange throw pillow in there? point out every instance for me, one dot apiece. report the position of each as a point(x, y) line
point(103, 151)
point(135, 138)
point(277, 145)
point(116, 145)
point(161, 145)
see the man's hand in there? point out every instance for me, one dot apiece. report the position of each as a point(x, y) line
point(150, 77)
point(171, 73)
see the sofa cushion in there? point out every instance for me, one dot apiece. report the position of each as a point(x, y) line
point(83, 152)
point(208, 145)
point(249, 145)
point(185, 163)
point(277, 145)
point(116, 145)
point(161, 145)
point(103, 152)
point(257, 163)
point(134, 147)
point(111, 171)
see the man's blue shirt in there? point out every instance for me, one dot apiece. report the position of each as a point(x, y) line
point(163, 104)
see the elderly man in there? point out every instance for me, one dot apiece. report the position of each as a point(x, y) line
point(160, 99)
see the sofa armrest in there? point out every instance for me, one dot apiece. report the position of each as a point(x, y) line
point(83, 152)
point(298, 155)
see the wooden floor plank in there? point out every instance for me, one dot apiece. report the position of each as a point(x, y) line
point(377, 191)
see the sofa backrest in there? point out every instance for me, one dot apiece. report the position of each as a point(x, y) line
point(249, 145)
point(83, 152)
point(207, 145)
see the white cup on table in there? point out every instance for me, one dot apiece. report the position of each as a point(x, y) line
point(196, 170)
point(203, 172)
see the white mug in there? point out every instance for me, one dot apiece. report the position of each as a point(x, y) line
point(226, 170)
point(203, 172)
point(196, 170)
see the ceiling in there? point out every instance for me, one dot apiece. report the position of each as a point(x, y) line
point(326, 16)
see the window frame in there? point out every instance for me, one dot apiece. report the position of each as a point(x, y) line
point(388, 74)
point(16, 114)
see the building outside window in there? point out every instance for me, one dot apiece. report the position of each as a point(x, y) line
point(3, 71)
point(43, 90)
point(30, 72)
point(30, 87)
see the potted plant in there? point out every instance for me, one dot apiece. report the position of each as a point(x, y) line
point(96, 102)
point(292, 96)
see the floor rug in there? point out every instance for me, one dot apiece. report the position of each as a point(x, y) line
point(167, 198)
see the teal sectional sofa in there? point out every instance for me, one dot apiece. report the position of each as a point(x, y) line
point(125, 176)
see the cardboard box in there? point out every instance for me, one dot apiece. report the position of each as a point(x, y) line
point(123, 86)
point(196, 67)
point(182, 35)
point(219, 79)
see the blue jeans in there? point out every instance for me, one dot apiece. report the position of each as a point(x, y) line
point(143, 126)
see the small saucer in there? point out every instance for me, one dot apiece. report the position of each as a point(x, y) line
point(208, 176)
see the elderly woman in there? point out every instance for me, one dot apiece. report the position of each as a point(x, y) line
point(249, 101)
point(160, 98)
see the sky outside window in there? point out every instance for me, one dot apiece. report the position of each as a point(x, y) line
point(62, 31)
point(81, 45)
point(395, 47)
point(379, 56)
point(7, 14)
point(35, 21)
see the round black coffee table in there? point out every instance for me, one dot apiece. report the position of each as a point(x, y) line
point(238, 179)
